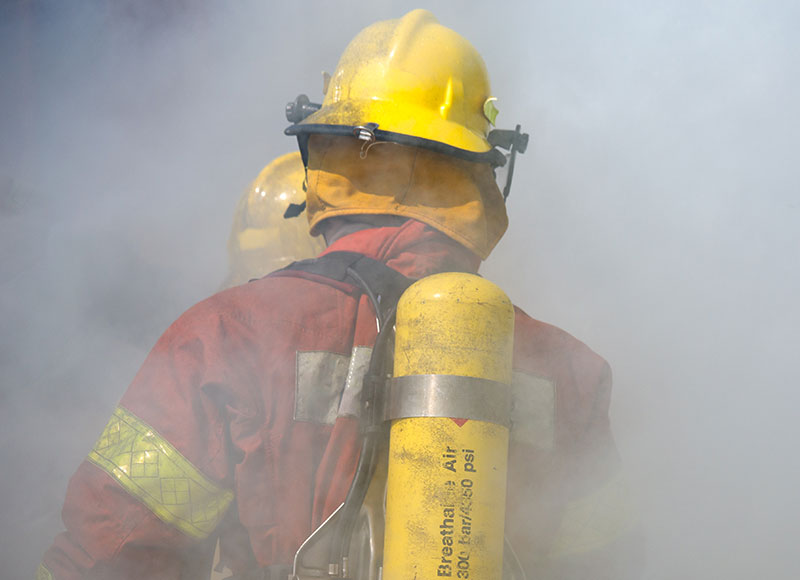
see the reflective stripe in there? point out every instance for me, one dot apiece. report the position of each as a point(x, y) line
point(596, 520)
point(321, 377)
point(328, 385)
point(533, 411)
point(350, 405)
point(149, 468)
point(42, 573)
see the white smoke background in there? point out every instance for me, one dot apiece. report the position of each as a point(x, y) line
point(655, 216)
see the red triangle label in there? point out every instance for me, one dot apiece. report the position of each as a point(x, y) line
point(459, 422)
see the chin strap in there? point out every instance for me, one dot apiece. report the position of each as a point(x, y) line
point(515, 141)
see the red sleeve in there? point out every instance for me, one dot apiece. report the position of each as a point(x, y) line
point(599, 533)
point(570, 513)
point(147, 500)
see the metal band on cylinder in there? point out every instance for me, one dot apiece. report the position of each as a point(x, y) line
point(449, 396)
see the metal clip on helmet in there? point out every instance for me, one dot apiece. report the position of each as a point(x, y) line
point(414, 82)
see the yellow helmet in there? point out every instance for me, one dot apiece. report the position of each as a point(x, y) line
point(261, 239)
point(410, 81)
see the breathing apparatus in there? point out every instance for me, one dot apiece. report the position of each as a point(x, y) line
point(428, 496)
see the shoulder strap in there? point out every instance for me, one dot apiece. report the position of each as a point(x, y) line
point(383, 283)
point(384, 287)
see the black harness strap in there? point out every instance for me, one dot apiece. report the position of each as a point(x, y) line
point(384, 286)
point(382, 283)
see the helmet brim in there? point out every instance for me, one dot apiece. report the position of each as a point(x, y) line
point(400, 119)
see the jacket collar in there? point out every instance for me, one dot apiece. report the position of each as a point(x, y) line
point(412, 248)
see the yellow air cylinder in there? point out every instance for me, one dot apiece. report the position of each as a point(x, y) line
point(449, 404)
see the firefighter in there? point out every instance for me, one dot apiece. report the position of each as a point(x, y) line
point(262, 239)
point(243, 423)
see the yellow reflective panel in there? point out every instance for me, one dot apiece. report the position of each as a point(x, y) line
point(43, 573)
point(490, 110)
point(533, 415)
point(596, 520)
point(155, 473)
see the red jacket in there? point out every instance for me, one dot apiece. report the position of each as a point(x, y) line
point(233, 429)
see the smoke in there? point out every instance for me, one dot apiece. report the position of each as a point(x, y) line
point(655, 216)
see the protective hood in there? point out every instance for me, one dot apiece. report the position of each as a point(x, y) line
point(457, 197)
